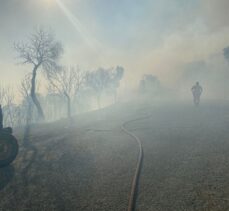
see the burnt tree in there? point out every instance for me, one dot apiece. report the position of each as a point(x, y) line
point(42, 52)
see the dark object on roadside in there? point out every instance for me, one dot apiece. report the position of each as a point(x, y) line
point(8, 144)
point(196, 92)
point(8, 130)
point(8, 147)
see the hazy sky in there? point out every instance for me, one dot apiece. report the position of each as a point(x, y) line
point(144, 36)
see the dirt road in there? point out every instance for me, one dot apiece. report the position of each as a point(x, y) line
point(89, 164)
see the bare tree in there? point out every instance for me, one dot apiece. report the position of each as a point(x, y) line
point(10, 109)
point(25, 86)
point(40, 51)
point(67, 82)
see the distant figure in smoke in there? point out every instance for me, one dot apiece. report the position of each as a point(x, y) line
point(1, 118)
point(197, 91)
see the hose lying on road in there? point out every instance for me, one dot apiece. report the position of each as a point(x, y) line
point(135, 181)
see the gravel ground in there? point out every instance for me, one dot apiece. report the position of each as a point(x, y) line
point(89, 166)
point(186, 163)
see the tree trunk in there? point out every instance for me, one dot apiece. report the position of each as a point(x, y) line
point(33, 94)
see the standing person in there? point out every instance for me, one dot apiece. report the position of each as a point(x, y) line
point(196, 92)
point(1, 118)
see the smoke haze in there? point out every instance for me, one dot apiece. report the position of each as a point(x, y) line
point(158, 37)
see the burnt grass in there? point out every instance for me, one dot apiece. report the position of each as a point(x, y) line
point(88, 164)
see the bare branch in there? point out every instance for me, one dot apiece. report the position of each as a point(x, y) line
point(40, 49)
point(66, 82)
